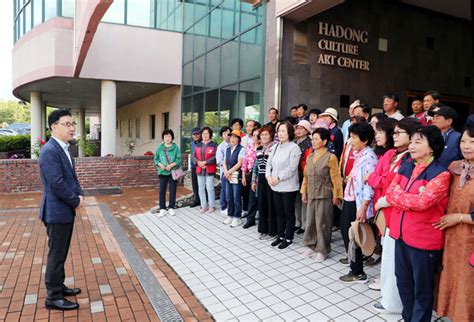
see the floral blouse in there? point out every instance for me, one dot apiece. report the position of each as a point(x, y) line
point(250, 156)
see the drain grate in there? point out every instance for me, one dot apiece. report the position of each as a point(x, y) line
point(103, 191)
point(160, 301)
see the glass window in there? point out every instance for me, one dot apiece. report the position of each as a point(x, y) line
point(249, 95)
point(228, 104)
point(68, 8)
point(137, 128)
point(248, 16)
point(188, 46)
point(27, 11)
point(228, 19)
point(198, 110)
point(50, 9)
point(214, 28)
point(21, 23)
point(200, 37)
point(188, 15)
point(250, 54)
point(178, 25)
point(139, 13)
point(188, 79)
point(229, 62)
point(200, 9)
point(116, 12)
point(211, 114)
point(212, 68)
point(198, 76)
point(130, 129)
point(37, 12)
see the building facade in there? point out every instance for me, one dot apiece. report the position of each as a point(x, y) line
point(140, 66)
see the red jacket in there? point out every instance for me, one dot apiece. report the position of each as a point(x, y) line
point(206, 153)
point(419, 196)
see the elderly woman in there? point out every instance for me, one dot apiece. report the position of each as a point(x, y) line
point(380, 180)
point(205, 159)
point(266, 210)
point(321, 189)
point(358, 194)
point(282, 176)
point(419, 196)
point(248, 162)
point(457, 277)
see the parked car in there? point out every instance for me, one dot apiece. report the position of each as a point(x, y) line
point(20, 128)
point(7, 132)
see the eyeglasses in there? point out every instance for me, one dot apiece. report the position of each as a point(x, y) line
point(397, 133)
point(68, 124)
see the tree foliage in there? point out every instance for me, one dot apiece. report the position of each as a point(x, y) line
point(13, 112)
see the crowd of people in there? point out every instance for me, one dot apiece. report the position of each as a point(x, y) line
point(398, 188)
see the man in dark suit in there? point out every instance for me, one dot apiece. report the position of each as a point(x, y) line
point(62, 195)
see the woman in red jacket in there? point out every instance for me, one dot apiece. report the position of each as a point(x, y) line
point(205, 158)
point(419, 196)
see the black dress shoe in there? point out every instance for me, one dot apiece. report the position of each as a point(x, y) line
point(248, 224)
point(285, 243)
point(61, 304)
point(300, 231)
point(277, 241)
point(71, 291)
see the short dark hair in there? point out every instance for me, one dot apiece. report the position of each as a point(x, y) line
point(55, 115)
point(273, 109)
point(290, 129)
point(409, 124)
point(379, 116)
point(293, 108)
point(365, 109)
point(364, 131)
point(268, 129)
point(435, 94)
point(386, 125)
point(433, 136)
point(167, 132)
point(417, 98)
point(224, 129)
point(324, 134)
point(358, 119)
point(316, 111)
point(469, 127)
point(237, 120)
point(304, 106)
point(392, 96)
point(208, 129)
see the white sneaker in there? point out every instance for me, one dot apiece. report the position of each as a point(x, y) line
point(236, 222)
point(228, 220)
point(308, 253)
point(319, 258)
point(375, 285)
point(224, 212)
point(162, 213)
point(171, 212)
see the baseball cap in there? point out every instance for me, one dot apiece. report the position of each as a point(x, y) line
point(196, 130)
point(446, 111)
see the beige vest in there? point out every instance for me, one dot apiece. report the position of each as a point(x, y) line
point(319, 177)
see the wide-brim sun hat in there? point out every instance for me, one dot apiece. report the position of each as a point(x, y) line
point(332, 112)
point(364, 237)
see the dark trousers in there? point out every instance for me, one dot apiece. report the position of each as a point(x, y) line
point(348, 215)
point(245, 197)
point(164, 181)
point(285, 213)
point(337, 217)
point(416, 270)
point(59, 240)
point(252, 199)
point(266, 209)
point(194, 183)
point(234, 203)
point(222, 198)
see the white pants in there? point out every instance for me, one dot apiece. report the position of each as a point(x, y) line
point(388, 281)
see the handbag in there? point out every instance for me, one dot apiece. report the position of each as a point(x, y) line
point(379, 221)
point(176, 174)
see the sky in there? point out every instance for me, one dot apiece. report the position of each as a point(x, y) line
point(6, 45)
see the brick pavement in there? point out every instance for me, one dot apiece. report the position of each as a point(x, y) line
point(111, 290)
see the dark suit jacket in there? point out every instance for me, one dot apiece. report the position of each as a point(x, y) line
point(61, 186)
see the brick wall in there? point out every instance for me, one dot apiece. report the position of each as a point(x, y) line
point(95, 172)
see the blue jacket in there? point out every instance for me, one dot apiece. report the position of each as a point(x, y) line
point(61, 188)
point(451, 148)
point(193, 148)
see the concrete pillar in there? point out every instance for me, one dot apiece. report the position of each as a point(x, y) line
point(35, 99)
point(81, 127)
point(108, 111)
point(44, 122)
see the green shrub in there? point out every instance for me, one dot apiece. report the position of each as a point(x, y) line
point(14, 143)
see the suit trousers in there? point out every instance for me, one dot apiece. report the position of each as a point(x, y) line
point(267, 223)
point(318, 228)
point(59, 240)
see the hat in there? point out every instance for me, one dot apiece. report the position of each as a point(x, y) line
point(446, 111)
point(332, 112)
point(364, 237)
point(306, 125)
point(237, 133)
point(196, 130)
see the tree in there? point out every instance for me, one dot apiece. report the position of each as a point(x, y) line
point(12, 112)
